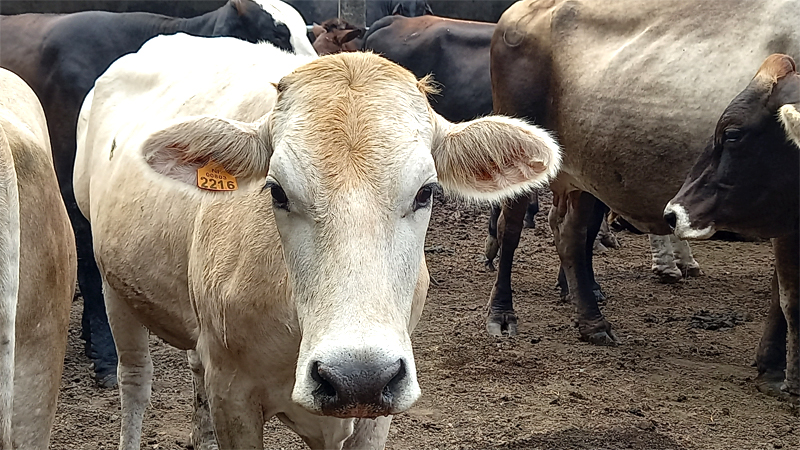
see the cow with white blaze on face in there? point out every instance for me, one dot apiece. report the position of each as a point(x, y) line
point(296, 293)
point(748, 181)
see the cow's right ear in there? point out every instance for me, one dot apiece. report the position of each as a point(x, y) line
point(242, 149)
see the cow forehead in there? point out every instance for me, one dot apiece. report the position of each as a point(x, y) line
point(350, 119)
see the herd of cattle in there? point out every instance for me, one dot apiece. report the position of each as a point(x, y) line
point(264, 207)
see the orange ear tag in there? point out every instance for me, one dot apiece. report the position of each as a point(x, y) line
point(212, 177)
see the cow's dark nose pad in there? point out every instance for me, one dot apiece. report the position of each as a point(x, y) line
point(672, 220)
point(356, 388)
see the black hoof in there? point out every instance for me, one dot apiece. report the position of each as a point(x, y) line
point(602, 338)
point(499, 322)
point(106, 381)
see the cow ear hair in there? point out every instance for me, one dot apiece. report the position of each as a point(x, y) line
point(428, 10)
point(243, 149)
point(493, 158)
point(789, 115)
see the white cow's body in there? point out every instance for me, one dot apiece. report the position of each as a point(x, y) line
point(37, 271)
point(277, 312)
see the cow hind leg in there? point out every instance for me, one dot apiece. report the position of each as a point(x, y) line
point(771, 353)
point(501, 317)
point(203, 437)
point(787, 265)
point(684, 258)
point(94, 322)
point(135, 370)
point(573, 231)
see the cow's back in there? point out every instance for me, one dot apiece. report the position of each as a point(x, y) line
point(456, 52)
point(170, 78)
point(47, 265)
point(636, 87)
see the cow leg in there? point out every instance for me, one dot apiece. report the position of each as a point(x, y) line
point(664, 259)
point(369, 434)
point(95, 328)
point(595, 224)
point(202, 437)
point(236, 414)
point(501, 307)
point(135, 370)
point(531, 211)
point(787, 265)
point(605, 238)
point(571, 220)
point(684, 258)
point(492, 246)
point(771, 353)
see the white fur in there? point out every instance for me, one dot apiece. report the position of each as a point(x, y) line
point(683, 228)
point(790, 118)
point(286, 14)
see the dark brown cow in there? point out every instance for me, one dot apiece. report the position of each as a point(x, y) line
point(60, 56)
point(747, 181)
point(632, 88)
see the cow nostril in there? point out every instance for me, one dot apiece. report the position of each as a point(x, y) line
point(672, 219)
point(325, 387)
point(391, 386)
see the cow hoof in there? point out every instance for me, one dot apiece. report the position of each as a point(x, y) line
point(108, 381)
point(670, 275)
point(501, 323)
point(529, 222)
point(599, 296)
point(603, 338)
point(489, 263)
point(691, 272)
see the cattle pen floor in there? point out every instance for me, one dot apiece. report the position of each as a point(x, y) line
point(673, 384)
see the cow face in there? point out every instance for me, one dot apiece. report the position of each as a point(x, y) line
point(747, 179)
point(353, 154)
point(248, 21)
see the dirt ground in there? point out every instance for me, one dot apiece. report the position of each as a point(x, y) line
point(671, 385)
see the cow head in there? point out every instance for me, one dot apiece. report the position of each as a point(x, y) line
point(336, 35)
point(747, 179)
point(352, 153)
point(248, 21)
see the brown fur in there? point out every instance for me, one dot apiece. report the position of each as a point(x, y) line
point(776, 67)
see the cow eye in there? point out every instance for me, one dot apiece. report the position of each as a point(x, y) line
point(423, 197)
point(732, 135)
point(279, 199)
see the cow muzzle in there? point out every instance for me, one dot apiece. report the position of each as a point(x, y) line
point(358, 384)
point(680, 223)
point(358, 389)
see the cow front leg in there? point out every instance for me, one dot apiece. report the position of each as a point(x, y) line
point(684, 258)
point(501, 316)
point(573, 231)
point(202, 437)
point(135, 370)
point(235, 409)
point(771, 353)
point(787, 265)
point(663, 259)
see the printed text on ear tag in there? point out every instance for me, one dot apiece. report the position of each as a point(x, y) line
point(213, 177)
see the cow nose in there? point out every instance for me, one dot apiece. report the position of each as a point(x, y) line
point(357, 388)
point(671, 218)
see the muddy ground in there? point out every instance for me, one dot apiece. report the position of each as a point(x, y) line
point(670, 385)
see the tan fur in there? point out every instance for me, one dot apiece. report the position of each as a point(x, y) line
point(790, 118)
point(775, 67)
point(47, 262)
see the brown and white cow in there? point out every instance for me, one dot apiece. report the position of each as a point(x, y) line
point(295, 293)
point(632, 89)
point(748, 181)
point(37, 271)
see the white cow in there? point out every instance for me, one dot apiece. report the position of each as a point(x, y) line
point(299, 289)
point(37, 271)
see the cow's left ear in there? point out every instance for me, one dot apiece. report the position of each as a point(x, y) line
point(242, 149)
point(494, 157)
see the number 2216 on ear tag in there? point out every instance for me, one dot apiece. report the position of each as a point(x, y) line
point(213, 177)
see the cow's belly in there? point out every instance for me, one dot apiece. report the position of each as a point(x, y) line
point(141, 235)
